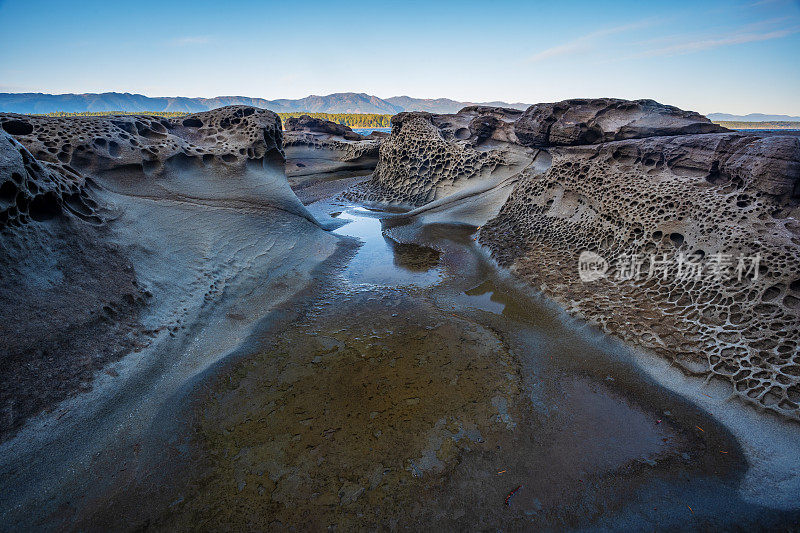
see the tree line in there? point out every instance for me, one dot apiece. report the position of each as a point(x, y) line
point(352, 120)
point(772, 125)
point(168, 114)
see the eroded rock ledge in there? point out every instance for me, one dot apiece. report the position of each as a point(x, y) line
point(325, 149)
point(628, 179)
point(69, 301)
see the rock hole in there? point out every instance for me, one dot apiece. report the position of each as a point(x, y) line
point(676, 238)
point(44, 207)
point(462, 133)
point(7, 192)
point(770, 294)
point(791, 302)
point(17, 127)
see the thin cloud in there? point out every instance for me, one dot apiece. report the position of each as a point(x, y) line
point(665, 41)
point(561, 50)
point(768, 2)
point(584, 42)
point(698, 45)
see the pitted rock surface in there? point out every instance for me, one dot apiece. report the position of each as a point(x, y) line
point(229, 136)
point(72, 189)
point(428, 157)
point(716, 199)
point(31, 190)
point(635, 185)
point(69, 301)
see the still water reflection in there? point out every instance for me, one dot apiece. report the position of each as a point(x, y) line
point(383, 261)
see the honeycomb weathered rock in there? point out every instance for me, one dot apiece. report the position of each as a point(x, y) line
point(635, 180)
point(100, 214)
point(711, 198)
point(432, 156)
point(229, 136)
point(31, 190)
point(69, 300)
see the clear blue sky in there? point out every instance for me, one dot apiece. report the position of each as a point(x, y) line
point(730, 56)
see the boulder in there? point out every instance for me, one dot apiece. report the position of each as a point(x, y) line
point(592, 121)
point(117, 233)
point(429, 157)
point(318, 149)
point(319, 125)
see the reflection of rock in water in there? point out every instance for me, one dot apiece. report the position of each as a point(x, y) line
point(414, 257)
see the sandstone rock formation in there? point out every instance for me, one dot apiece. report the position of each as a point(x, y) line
point(429, 158)
point(317, 125)
point(230, 150)
point(576, 122)
point(117, 233)
point(319, 149)
point(629, 180)
point(69, 301)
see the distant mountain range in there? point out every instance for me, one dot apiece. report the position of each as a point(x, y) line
point(332, 103)
point(752, 117)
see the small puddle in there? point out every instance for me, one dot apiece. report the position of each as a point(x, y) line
point(382, 260)
point(481, 298)
point(488, 298)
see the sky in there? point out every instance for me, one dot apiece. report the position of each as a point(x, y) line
point(716, 56)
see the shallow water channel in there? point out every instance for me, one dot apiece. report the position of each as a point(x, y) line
point(420, 387)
